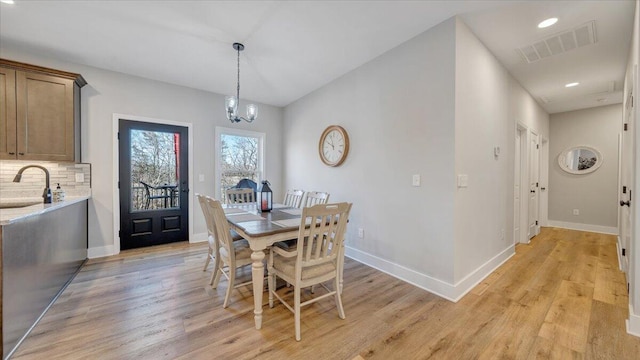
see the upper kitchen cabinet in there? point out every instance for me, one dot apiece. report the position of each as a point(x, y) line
point(40, 113)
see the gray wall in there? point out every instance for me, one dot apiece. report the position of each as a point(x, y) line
point(434, 106)
point(109, 92)
point(399, 112)
point(594, 194)
point(482, 209)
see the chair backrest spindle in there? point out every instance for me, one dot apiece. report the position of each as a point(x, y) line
point(240, 196)
point(293, 198)
point(326, 229)
point(221, 228)
point(314, 198)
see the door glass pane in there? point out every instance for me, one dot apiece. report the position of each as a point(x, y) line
point(154, 170)
point(239, 160)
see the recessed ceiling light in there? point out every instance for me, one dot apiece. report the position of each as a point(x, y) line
point(10, 2)
point(547, 23)
point(572, 84)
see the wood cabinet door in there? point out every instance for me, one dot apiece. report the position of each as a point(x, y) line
point(7, 114)
point(45, 112)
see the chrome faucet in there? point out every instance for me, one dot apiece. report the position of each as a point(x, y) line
point(46, 195)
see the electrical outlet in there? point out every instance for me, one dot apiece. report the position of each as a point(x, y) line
point(201, 177)
point(576, 212)
point(502, 234)
point(415, 180)
point(463, 180)
point(79, 177)
point(361, 233)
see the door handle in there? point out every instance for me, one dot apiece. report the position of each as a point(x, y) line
point(185, 190)
point(532, 191)
point(627, 203)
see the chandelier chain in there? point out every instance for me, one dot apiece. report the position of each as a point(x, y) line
point(232, 102)
point(238, 88)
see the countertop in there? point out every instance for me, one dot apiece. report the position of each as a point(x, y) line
point(8, 216)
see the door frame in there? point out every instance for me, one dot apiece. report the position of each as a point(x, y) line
point(627, 236)
point(523, 130)
point(116, 166)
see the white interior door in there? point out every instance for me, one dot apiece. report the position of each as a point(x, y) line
point(626, 177)
point(534, 166)
point(517, 190)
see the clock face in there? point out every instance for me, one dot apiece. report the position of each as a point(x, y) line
point(334, 145)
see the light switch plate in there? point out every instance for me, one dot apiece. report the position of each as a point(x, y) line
point(415, 180)
point(463, 180)
point(201, 177)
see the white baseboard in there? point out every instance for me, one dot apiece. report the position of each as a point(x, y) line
point(470, 281)
point(451, 292)
point(196, 238)
point(100, 251)
point(612, 230)
point(633, 323)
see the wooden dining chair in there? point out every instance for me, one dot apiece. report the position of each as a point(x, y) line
point(231, 254)
point(293, 198)
point(240, 196)
point(213, 252)
point(315, 260)
point(314, 197)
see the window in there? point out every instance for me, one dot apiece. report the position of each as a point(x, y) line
point(239, 156)
point(154, 162)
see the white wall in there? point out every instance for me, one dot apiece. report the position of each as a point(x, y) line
point(527, 114)
point(436, 106)
point(399, 112)
point(110, 92)
point(483, 209)
point(595, 194)
point(524, 110)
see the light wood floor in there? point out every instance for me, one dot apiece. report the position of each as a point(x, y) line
point(560, 297)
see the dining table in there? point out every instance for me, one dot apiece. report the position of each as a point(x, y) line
point(261, 230)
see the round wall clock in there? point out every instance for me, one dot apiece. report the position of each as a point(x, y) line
point(334, 145)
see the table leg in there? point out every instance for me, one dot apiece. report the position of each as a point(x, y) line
point(257, 274)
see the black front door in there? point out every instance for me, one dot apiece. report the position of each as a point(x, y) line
point(153, 183)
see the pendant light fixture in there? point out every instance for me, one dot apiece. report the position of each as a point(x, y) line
point(231, 102)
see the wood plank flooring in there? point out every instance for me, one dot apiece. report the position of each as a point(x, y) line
point(560, 297)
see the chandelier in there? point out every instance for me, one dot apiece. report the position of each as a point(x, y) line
point(231, 102)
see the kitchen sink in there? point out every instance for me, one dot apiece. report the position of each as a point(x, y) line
point(17, 205)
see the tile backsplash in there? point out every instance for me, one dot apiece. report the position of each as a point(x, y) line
point(33, 179)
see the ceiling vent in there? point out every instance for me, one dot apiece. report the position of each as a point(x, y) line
point(580, 36)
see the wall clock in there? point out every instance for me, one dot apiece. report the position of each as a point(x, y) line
point(334, 145)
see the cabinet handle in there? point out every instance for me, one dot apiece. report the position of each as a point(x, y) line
point(21, 153)
point(12, 153)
